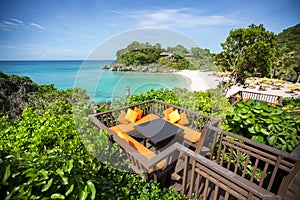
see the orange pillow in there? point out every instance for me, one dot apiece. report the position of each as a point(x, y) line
point(167, 112)
point(183, 119)
point(174, 116)
point(131, 115)
point(245, 99)
point(139, 111)
point(122, 119)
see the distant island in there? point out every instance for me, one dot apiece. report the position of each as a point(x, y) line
point(144, 57)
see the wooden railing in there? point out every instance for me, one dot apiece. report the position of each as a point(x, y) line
point(139, 163)
point(234, 167)
point(157, 107)
point(259, 163)
point(204, 178)
point(240, 95)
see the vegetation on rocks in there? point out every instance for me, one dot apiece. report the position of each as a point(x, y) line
point(136, 55)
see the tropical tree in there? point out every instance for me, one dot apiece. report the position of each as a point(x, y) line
point(247, 51)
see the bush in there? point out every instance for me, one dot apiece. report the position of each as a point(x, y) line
point(265, 124)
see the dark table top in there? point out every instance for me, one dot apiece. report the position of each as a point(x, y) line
point(158, 130)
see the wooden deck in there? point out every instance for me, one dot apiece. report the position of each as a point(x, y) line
point(221, 165)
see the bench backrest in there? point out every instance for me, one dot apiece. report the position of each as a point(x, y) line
point(196, 119)
point(259, 163)
point(212, 181)
point(256, 96)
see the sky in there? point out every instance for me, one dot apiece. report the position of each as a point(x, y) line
point(73, 29)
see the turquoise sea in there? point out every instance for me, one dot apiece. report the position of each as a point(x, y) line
point(101, 85)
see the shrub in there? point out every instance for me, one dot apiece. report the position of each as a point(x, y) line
point(265, 124)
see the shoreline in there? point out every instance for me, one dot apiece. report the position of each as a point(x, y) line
point(198, 80)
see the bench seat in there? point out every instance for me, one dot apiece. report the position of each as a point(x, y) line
point(138, 146)
point(189, 134)
point(127, 128)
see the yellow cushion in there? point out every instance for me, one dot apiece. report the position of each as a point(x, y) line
point(139, 111)
point(167, 112)
point(131, 115)
point(122, 119)
point(183, 120)
point(174, 116)
point(122, 136)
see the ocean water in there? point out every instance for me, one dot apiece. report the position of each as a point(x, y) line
point(101, 85)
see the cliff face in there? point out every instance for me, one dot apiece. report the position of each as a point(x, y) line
point(149, 68)
point(14, 94)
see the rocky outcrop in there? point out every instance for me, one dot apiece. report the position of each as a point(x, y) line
point(150, 68)
point(14, 94)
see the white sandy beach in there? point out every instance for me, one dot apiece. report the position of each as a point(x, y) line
point(200, 81)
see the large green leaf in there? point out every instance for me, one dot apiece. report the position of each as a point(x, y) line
point(264, 131)
point(48, 185)
point(272, 140)
point(57, 196)
point(258, 138)
point(257, 128)
point(6, 174)
point(92, 189)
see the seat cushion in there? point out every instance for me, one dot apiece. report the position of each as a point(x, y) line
point(146, 118)
point(183, 119)
point(190, 134)
point(174, 116)
point(122, 136)
point(131, 115)
point(126, 128)
point(139, 111)
point(122, 119)
point(167, 112)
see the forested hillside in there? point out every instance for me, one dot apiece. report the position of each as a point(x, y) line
point(289, 43)
point(178, 57)
point(290, 38)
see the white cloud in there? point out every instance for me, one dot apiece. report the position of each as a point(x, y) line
point(37, 26)
point(16, 20)
point(10, 24)
point(175, 18)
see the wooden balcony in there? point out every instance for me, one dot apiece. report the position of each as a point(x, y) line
point(247, 95)
point(219, 165)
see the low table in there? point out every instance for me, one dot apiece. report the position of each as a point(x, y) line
point(157, 131)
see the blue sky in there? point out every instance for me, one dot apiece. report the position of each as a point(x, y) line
point(72, 29)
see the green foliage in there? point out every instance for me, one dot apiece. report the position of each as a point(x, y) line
point(287, 57)
point(139, 54)
point(178, 62)
point(290, 38)
point(54, 152)
point(136, 54)
point(161, 94)
point(201, 59)
point(210, 102)
point(17, 92)
point(247, 51)
point(291, 105)
point(265, 124)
